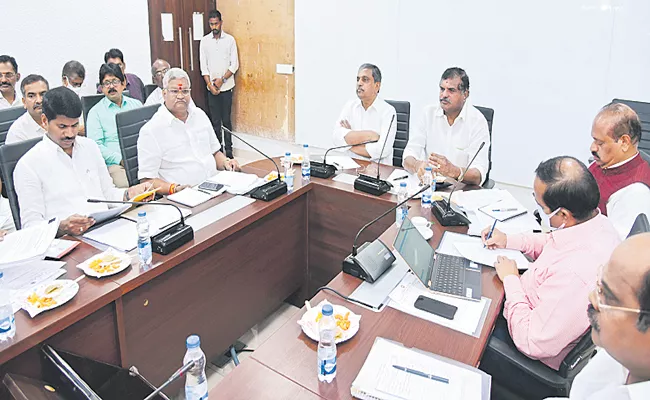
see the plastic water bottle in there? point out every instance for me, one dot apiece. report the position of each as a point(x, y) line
point(306, 166)
point(288, 173)
point(427, 180)
point(403, 210)
point(7, 321)
point(196, 383)
point(144, 240)
point(327, 345)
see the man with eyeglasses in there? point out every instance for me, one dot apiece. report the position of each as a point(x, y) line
point(30, 125)
point(101, 126)
point(158, 70)
point(9, 76)
point(219, 63)
point(545, 307)
point(177, 147)
point(133, 83)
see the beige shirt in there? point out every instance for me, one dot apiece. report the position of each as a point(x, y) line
point(218, 55)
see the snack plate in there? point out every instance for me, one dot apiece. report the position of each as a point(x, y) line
point(310, 326)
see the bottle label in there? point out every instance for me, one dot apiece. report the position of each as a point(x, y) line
point(6, 323)
point(328, 367)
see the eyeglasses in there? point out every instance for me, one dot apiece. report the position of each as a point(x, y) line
point(8, 75)
point(114, 82)
point(600, 301)
point(184, 92)
point(161, 73)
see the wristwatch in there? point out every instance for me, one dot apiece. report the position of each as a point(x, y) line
point(224, 79)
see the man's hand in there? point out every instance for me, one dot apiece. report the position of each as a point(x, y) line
point(213, 90)
point(218, 82)
point(498, 240)
point(345, 124)
point(139, 189)
point(443, 166)
point(76, 224)
point(231, 165)
point(178, 188)
point(2, 235)
point(505, 267)
point(420, 169)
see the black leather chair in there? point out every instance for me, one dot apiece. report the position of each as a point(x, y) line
point(128, 130)
point(7, 117)
point(148, 89)
point(9, 156)
point(645, 155)
point(640, 225)
point(403, 110)
point(488, 113)
point(643, 110)
point(88, 102)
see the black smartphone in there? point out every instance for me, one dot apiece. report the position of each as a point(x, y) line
point(211, 186)
point(436, 307)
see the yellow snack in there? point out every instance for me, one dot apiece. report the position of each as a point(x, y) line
point(107, 264)
point(40, 302)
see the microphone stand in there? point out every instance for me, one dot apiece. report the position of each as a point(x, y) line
point(375, 185)
point(325, 170)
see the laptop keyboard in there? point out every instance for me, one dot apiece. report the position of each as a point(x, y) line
point(450, 274)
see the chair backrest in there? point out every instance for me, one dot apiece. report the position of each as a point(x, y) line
point(128, 130)
point(9, 156)
point(88, 102)
point(640, 225)
point(643, 111)
point(403, 110)
point(645, 155)
point(578, 357)
point(148, 89)
point(7, 117)
point(488, 113)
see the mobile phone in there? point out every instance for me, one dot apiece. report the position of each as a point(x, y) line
point(211, 186)
point(435, 307)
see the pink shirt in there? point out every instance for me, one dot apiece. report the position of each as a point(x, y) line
point(546, 308)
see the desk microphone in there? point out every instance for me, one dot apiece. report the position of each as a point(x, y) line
point(371, 184)
point(169, 239)
point(268, 191)
point(371, 260)
point(325, 170)
point(443, 210)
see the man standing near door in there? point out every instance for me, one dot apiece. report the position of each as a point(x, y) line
point(219, 62)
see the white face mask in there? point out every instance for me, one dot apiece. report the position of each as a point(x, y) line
point(79, 91)
point(546, 218)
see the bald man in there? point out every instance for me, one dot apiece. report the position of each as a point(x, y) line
point(158, 70)
point(545, 308)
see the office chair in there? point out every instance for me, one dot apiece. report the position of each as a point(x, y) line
point(640, 225)
point(88, 102)
point(645, 155)
point(148, 89)
point(403, 110)
point(643, 111)
point(488, 113)
point(9, 156)
point(7, 117)
point(128, 130)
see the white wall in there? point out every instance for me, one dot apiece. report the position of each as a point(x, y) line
point(545, 67)
point(43, 35)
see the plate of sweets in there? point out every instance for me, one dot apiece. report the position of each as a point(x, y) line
point(347, 323)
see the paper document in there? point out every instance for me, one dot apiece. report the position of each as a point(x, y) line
point(448, 243)
point(21, 280)
point(101, 216)
point(480, 255)
point(525, 223)
point(218, 212)
point(342, 162)
point(191, 197)
point(121, 234)
point(345, 178)
point(60, 247)
point(234, 179)
point(504, 210)
point(375, 295)
point(27, 244)
point(159, 217)
point(474, 199)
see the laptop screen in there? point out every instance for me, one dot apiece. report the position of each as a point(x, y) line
point(415, 250)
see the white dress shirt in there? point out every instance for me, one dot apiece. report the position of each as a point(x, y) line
point(156, 97)
point(624, 205)
point(458, 142)
point(176, 151)
point(5, 104)
point(49, 183)
point(24, 128)
point(218, 55)
point(376, 118)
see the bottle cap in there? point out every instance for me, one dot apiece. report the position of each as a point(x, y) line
point(193, 341)
point(403, 184)
point(428, 168)
point(327, 310)
point(287, 154)
point(142, 213)
point(305, 145)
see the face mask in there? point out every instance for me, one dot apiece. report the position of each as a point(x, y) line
point(546, 218)
point(76, 90)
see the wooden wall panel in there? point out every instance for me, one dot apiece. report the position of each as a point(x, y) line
point(264, 101)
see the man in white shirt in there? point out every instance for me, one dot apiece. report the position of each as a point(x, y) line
point(30, 125)
point(9, 76)
point(620, 318)
point(59, 174)
point(177, 147)
point(158, 70)
point(449, 134)
point(219, 62)
point(367, 118)
point(73, 76)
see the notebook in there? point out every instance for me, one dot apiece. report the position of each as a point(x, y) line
point(503, 210)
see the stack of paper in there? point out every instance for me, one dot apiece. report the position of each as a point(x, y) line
point(159, 217)
point(218, 211)
point(342, 162)
point(27, 244)
point(191, 197)
point(459, 245)
point(101, 216)
point(121, 234)
point(412, 181)
point(237, 182)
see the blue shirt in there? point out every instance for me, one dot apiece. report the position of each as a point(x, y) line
point(102, 128)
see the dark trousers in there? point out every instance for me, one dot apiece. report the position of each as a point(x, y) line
point(220, 109)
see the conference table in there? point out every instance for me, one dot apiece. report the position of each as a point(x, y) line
point(236, 271)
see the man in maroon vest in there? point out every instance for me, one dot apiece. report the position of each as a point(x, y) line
point(616, 133)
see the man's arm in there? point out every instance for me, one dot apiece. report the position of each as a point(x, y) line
point(414, 153)
point(530, 244)
point(385, 136)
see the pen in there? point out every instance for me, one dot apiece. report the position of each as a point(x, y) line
point(203, 191)
point(504, 209)
point(401, 177)
point(491, 231)
point(422, 374)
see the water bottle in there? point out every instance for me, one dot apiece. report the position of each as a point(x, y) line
point(144, 240)
point(427, 180)
point(288, 171)
point(7, 321)
point(306, 166)
point(327, 345)
point(403, 210)
point(196, 383)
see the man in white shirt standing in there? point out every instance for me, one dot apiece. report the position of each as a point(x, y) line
point(59, 174)
point(620, 318)
point(219, 63)
point(9, 76)
point(177, 147)
point(367, 118)
point(450, 133)
point(158, 70)
point(30, 125)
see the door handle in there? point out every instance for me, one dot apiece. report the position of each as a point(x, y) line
point(180, 45)
point(189, 34)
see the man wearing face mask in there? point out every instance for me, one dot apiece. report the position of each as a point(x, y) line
point(73, 77)
point(102, 127)
point(30, 124)
point(9, 76)
point(545, 307)
point(450, 133)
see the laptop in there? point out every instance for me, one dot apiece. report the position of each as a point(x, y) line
point(441, 273)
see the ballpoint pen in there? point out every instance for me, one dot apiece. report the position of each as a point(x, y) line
point(491, 232)
point(422, 374)
point(401, 177)
point(504, 209)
